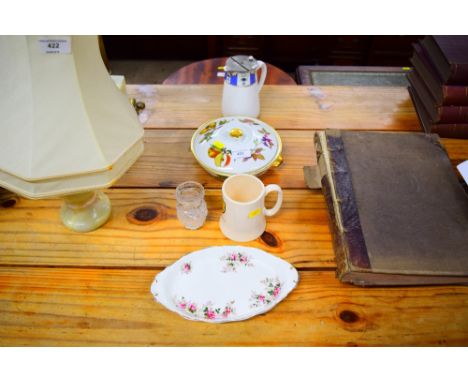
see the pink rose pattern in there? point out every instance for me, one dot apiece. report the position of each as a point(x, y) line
point(206, 311)
point(232, 262)
point(271, 293)
point(186, 268)
point(235, 259)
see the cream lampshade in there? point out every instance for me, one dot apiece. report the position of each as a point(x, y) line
point(66, 130)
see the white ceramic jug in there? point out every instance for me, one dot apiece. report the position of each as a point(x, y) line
point(241, 86)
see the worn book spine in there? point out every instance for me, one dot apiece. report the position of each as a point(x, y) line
point(439, 114)
point(348, 239)
point(443, 94)
point(458, 73)
point(337, 234)
point(423, 116)
point(451, 130)
point(450, 57)
point(342, 266)
point(452, 114)
point(454, 95)
point(424, 68)
point(444, 130)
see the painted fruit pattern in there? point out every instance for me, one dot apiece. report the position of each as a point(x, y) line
point(222, 156)
point(209, 130)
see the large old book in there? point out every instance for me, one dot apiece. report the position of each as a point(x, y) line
point(450, 57)
point(446, 130)
point(439, 114)
point(398, 214)
point(443, 94)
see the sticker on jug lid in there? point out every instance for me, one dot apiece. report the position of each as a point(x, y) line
point(55, 45)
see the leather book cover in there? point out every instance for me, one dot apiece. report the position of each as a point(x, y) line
point(450, 57)
point(452, 130)
point(398, 214)
point(445, 130)
point(439, 114)
point(443, 94)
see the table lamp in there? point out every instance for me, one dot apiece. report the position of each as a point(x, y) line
point(66, 129)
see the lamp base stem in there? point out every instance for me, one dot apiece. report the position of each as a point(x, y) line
point(86, 211)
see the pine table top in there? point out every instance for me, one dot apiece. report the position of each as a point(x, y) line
point(63, 288)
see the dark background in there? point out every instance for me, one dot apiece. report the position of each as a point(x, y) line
point(286, 52)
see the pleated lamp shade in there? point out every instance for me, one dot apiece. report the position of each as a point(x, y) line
point(64, 126)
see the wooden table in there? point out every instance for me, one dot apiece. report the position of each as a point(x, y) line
point(63, 288)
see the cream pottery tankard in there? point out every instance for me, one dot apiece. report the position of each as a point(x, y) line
point(241, 86)
point(244, 211)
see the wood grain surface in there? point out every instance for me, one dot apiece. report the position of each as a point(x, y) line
point(205, 72)
point(63, 288)
point(108, 307)
point(283, 107)
point(457, 149)
point(167, 160)
point(144, 231)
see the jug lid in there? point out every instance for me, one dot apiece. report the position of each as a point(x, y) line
point(236, 145)
point(241, 64)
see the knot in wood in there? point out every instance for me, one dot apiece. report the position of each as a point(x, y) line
point(8, 203)
point(145, 214)
point(269, 239)
point(349, 316)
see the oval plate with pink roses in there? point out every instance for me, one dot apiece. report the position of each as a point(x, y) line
point(224, 284)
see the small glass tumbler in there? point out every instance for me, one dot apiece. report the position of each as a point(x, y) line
point(191, 206)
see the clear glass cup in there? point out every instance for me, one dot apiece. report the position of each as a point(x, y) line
point(191, 206)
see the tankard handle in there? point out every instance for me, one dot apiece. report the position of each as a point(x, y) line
point(279, 200)
point(263, 68)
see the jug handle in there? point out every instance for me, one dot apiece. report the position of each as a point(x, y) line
point(263, 67)
point(279, 201)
